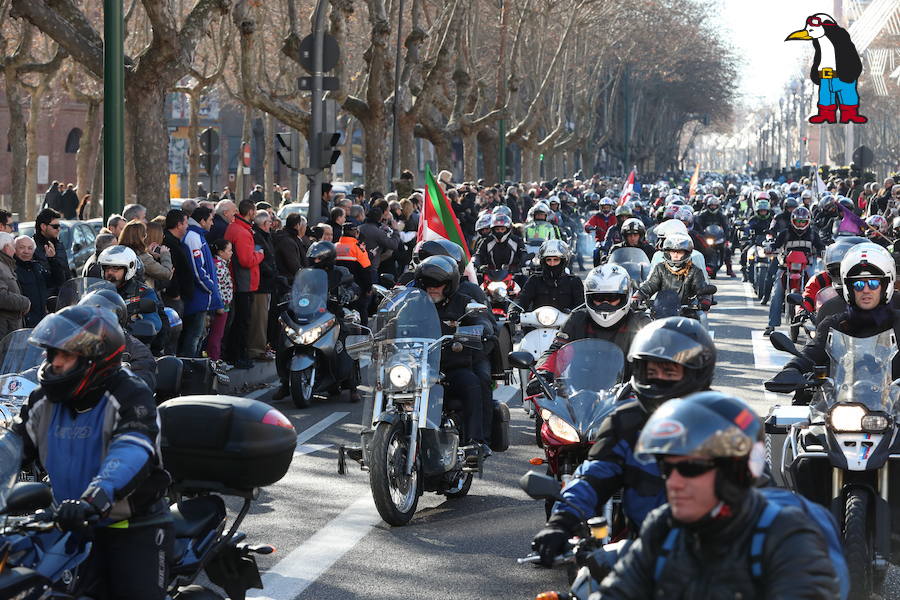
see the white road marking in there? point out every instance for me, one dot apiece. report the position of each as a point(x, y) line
point(764, 355)
point(751, 295)
point(258, 393)
point(308, 561)
point(310, 448)
point(307, 434)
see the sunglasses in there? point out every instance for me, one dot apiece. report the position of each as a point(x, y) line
point(801, 222)
point(432, 283)
point(817, 22)
point(688, 469)
point(57, 226)
point(860, 284)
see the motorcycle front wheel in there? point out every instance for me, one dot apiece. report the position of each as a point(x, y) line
point(302, 385)
point(396, 494)
point(858, 548)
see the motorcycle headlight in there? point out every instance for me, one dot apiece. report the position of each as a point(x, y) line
point(562, 430)
point(546, 316)
point(711, 241)
point(400, 376)
point(497, 289)
point(854, 417)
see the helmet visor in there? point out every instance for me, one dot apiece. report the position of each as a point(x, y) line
point(87, 340)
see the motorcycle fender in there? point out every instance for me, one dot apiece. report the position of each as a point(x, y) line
point(386, 417)
point(859, 450)
point(302, 361)
point(327, 343)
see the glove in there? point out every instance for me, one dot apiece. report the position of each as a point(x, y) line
point(705, 303)
point(636, 301)
point(788, 380)
point(549, 543)
point(73, 514)
point(514, 317)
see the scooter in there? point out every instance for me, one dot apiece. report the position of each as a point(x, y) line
point(714, 236)
point(838, 447)
point(794, 280)
point(543, 324)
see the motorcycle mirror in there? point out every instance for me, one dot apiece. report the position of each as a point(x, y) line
point(26, 497)
point(707, 290)
point(387, 280)
point(540, 487)
point(795, 299)
point(142, 329)
point(783, 343)
point(146, 305)
point(521, 359)
point(475, 306)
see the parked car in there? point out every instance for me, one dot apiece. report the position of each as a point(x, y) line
point(96, 224)
point(77, 237)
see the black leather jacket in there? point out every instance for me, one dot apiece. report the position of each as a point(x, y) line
point(712, 559)
point(705, 218)
point(451, 311)
point(661, 278)
point(564, 293)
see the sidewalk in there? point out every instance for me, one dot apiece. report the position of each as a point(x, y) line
point(244, 381)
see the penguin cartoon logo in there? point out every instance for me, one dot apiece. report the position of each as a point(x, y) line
point(835, 69)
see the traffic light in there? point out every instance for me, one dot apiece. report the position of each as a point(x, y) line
point(283, 149)
point(855, 171)
point(209, 143)
point(326, 149)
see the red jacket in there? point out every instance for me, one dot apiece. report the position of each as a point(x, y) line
point(813, 287)
point(245, 264)
point(601, 223)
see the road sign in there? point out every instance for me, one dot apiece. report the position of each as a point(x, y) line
point(863, 157)
point(245, 153)
point(330, 55)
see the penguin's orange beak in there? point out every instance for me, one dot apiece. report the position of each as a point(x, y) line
point(799, 35)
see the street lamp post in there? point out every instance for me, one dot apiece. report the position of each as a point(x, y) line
point(113, 108)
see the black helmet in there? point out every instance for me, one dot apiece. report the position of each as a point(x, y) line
point(321, 255)
point(791, 204)
point(91, 333)
point(709, 425)
point(673, 339)
point(108, 299)
point(835, 252)
point(428, 248)
point(438, 270)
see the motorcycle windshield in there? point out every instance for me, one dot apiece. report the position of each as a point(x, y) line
point(309, 295)
point(18, 354)
point(824, 295)
point(666, 304)
point(589, 370)
point(716, 233)
point(10, 463)
point(408, 314)
point(77, 288)
point(624, 256)
point(861, 371)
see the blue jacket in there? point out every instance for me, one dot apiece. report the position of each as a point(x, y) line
point(611, 466)
point(206, 287)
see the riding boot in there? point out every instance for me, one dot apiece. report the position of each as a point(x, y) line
point(849, 114)
point(827, 114)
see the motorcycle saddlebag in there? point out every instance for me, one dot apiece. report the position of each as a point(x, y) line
point(228, 442)
point(500, 428)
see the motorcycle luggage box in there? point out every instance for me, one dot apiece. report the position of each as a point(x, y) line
point(778, 423)
point(228, 442)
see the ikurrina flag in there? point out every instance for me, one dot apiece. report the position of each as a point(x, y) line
point(627, 189)
point(695, 179)
point(438, 221)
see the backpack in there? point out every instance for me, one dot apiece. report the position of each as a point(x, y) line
point(776, 499)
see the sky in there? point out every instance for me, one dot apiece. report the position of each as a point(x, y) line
point(757, 29)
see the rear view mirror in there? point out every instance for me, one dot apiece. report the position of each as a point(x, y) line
point(387, 280)
point(540, 487)
point(783, 343)
point(28, 497)
point(521, 360)
point(474, 306)
point(795, 299)
point(51, 304)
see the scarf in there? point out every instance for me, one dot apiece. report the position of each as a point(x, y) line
point(683, 271)
point(879, 318)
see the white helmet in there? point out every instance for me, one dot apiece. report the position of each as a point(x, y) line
point(119, 256)
point(868, 261)
point(539, 207)
point(607, 294)
point(483, 222)
point(667, 228)
point(678, 241)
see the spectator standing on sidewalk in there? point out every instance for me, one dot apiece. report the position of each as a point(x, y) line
point(181, 286)
point(47, 245)
point(13, 304)
point(245, 268)
point(270, 282)
point(225, 211)
point(221, 250)
point(206, 296)
point(34, 279)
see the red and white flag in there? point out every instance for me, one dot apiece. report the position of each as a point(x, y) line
point(627, 189)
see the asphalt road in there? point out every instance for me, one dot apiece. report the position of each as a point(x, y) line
point(332, 545)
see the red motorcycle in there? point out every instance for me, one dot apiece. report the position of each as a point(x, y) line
point(571, 409)
point(499, 286)
point(794, 280)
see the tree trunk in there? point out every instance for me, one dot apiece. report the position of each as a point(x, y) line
point(146, 107)
point(529, 170)
point(193, 148)
point(240, 180)
point(470, 155)
point(407, 143)
point(375, 132)
point(490, 152)
point(34, 117)
point(443, 154)
point(131, 185)
point(96, 207)
point(17, 142)
point(86, 151)
point(269, 157)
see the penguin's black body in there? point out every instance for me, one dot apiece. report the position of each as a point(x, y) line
point(849, 65)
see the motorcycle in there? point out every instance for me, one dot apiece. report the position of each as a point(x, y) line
point(759, 256)
point(310, 347)
point(667, 303)
point(499, 285)
point(714, 252)
point(838, 450)
point(18, 373)
point(543, 323)
point(411, 438)
point(531, 264)
point(794, 280)
point(633, 260)
point(572, 409)
point(806, 320)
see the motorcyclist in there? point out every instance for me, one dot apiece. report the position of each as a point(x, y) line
point(503, 250)
point(708, 448)
point(602, 220)
point(139, 359)
point(878, 228)
point(677, 273)
point(669, 358)
point(93, 426)
point(799, 236)
point(713, 215)
point(482, 231)
point(634, 236)
point(439, 277)
point(427, 248)
point(867, 274)
point(662, 231)
point(606, 314)
point(831, 276)
point(783, 219)
point(552, 286)
point(757, 228)
point(538, 227)
point(614, 233)
point(119, 265)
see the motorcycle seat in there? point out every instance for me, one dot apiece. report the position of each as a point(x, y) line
point(195, 517)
